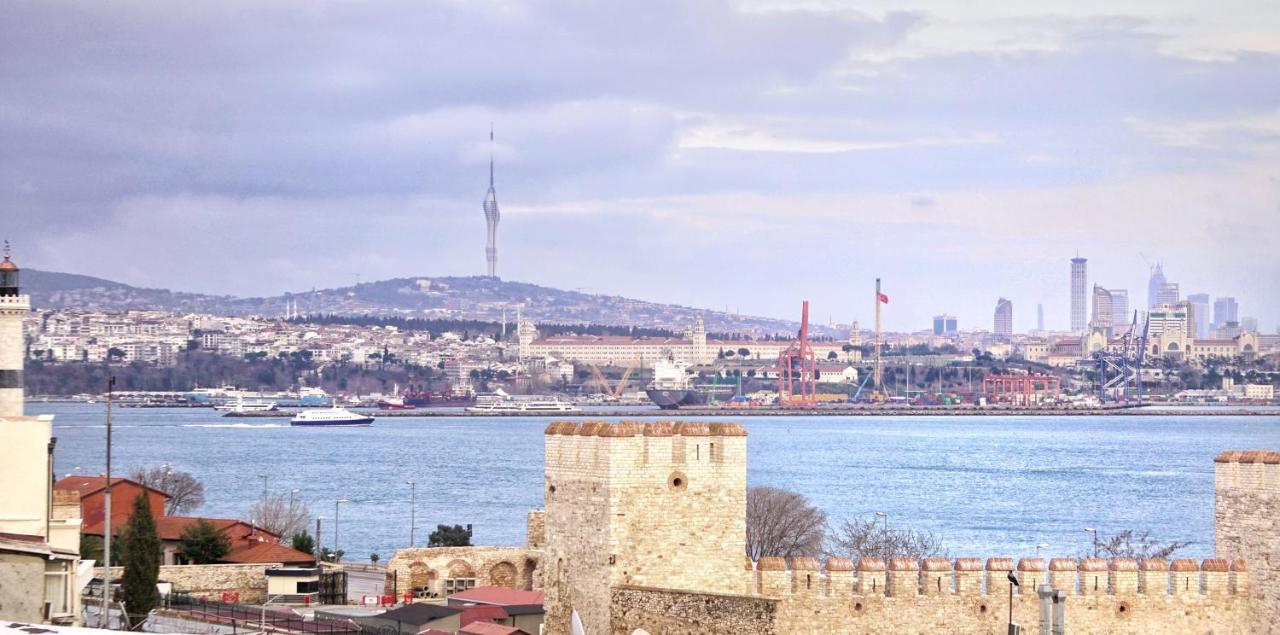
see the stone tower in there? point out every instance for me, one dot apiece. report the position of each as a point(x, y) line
point(13, 307)
point(1246, 526)
point(644, 505)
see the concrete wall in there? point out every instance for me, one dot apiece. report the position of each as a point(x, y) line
point(1246, 525)
point(212, 580)
point(22, 587)
point(24, 471)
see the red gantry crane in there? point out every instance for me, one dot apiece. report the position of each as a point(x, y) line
point(797, 368)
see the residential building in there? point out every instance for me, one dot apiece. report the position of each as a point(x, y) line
point(1249, 324)
point(1079, 294)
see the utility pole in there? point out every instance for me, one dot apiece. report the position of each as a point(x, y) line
point(319, 550)
point(105, 615)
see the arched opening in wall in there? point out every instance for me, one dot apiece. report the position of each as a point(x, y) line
point(420, 576)
point(503, 574)
point(639, 631)
point(527, 574)
point(460, 577)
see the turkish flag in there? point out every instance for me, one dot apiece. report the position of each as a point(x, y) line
point(884, 298)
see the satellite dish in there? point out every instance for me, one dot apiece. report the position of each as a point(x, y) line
point(575, 624)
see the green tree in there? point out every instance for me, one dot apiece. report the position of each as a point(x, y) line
point(141, 561)
point(373, 557)
point(450, 536)
point(831, 355)
point(302, 541)
point(202, 543)
point(744, 353)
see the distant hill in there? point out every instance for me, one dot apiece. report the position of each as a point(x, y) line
point(473, 298)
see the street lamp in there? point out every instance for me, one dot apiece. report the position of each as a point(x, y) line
point(335, 526)
point(887, 541)
point(1095, 539)
point(413, 487)
point(1039, 547)
point(293, 495)
point(264, 485)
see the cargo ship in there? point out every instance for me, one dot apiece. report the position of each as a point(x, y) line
point(420, 398)
point(673, 388)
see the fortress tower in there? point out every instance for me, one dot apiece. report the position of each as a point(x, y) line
point(654, 505)
point(1246, 525)
point(491, 217)
point(13, 307)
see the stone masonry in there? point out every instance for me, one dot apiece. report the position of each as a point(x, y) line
point(1246, 525)
point(645, 532)
point(658, 505)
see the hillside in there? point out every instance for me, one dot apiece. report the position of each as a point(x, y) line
point(475, 298)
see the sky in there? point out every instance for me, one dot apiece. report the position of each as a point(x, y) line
point(742, 155)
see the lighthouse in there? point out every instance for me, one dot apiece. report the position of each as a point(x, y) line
point(13, 307)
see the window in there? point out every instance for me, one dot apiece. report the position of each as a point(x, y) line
point(309, 586)
point(57, 589)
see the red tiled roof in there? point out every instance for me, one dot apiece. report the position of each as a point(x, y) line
point(87, 485)
point(265, 552)
point(489, 628)
point(171, 527)
point(497, 595)
point(481, 614)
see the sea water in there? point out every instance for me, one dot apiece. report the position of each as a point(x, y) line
point(986, 486)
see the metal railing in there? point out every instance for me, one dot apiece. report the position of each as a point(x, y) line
point(249, 617)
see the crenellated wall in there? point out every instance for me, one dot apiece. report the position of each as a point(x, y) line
point(1246, 525)
point(938, 595)
point(645, 526)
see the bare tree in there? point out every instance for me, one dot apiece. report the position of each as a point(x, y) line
point(782, 523)
point(280, 514)
point(1131, 544)
point(868, 538)
point(186, 492)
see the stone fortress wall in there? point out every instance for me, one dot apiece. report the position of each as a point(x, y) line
point(645, 531)
point(643, 504)
point(440, 571)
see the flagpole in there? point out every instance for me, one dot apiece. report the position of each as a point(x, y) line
point(879, 374)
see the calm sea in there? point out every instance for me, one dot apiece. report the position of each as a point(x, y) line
point(987, 485)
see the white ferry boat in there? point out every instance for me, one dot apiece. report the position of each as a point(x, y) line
point(500, 402)
point(240, 406)
point(334, 416)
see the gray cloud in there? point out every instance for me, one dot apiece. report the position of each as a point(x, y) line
point(166, 136)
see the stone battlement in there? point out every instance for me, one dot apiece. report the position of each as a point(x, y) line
point(907, 577)
point(645, 428)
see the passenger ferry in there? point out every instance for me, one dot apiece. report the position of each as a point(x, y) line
point(240, 406)
point(334, 416)
point(500, 402)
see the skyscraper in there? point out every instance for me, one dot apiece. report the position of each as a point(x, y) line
point(1120, 309)
point(1004, 319)
point(1153, 286)
point(1225, 310)
point(1167, 293)
point(1201, 303)
point(944, 325)
point(491, 218)
point(1079, 294)
point(1039, 317)
point(1103, 317)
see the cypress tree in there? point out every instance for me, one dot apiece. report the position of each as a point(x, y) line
point(141, 561)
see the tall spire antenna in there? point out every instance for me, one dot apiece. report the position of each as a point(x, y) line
point(490, 155)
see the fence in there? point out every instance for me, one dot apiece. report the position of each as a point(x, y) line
point(255, 618)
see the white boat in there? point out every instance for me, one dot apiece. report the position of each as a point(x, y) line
point(334, 416)
point(500, 402)
point(240, 406)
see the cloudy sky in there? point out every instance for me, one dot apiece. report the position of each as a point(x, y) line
point(720, 154)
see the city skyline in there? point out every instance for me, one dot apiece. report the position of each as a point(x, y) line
point(896, 132)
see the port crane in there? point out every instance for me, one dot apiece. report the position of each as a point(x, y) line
point(797, 368)
point(603, 382)
point(1119, 373)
